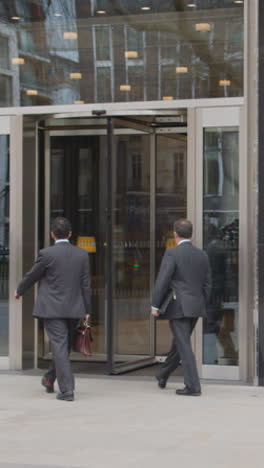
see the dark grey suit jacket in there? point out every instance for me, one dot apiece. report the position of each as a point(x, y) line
point(185, 270)
point(64, 291)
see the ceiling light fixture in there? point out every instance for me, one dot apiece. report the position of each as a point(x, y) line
point(70, 35)
point(224, 83)
point(76, 76)
point(181, 69)
point(191, 5)
point(131, 54)
point(78, 102)
point(18, 61)
point(15, 18)
point(125, 88)
point(238, 1)
point(167, 98)
point(57, 14)
point(101, 12)
point(31, 92)
point(145, 8)
point(203, 27)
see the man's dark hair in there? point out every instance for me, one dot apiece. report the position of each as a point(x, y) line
point(61, 227)
point(184, 228)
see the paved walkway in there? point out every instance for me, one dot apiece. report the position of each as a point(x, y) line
point(123, 422)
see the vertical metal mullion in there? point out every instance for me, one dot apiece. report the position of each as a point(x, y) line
point(153, 161)
point(109, 253)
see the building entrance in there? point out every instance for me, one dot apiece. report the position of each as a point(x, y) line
point(122, 183)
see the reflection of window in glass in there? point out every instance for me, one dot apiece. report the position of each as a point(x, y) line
point(102, 39)
point(179, 167)
point(136, 81)
point(168, 46)
point(5, 91)
point(57, 181)
point(103, 81)
point(168, 81)
point(33, 40)
point(135, 172)
point(4, 58)
point(85, 175)
point(135, 42)
point(33, 73)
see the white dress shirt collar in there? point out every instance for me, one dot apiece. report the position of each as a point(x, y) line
point(61, 240)
point(184, 240)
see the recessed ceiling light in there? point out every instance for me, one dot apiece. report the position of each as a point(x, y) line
point(76, 76)
point(78, 102)
point(203, 27)
point(32, 92)
point(167, 98)
point(224, 83)
point(70, 35)
point(57, 14)
point(18, 61)
point(181, 69)
point(125, 88)
point(101, 12)
point(191, 5)
point(15, 18)
point(131, 54)
point(238, 1)
point(145, 8)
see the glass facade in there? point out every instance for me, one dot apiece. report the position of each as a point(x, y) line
point(73, 51)
point(4, 243)
point(221, 242)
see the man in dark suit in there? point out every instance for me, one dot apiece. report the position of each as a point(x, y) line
point(63, 299)
point(184, 283)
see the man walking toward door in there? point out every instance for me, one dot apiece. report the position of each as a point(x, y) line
point(63, 299)
point(181, 291)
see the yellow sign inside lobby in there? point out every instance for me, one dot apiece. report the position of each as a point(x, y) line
point(87, 243)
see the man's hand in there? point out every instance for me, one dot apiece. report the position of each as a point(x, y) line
point(154, 312)
point(16, 295)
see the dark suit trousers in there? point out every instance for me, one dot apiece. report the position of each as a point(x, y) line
point(181, 350)
point(61, 333)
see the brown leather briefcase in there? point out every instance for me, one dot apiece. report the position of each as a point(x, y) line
point(83, 339)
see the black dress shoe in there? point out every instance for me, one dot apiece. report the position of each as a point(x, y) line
point(66, 396)
point(47, 384)
point(161, 381)
point(187, 392)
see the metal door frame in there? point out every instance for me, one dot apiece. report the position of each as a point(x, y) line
point(225, 117)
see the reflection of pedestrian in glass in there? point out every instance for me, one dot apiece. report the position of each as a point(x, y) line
point(219, 319)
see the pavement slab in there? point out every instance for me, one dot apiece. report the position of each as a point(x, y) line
point(125, 422)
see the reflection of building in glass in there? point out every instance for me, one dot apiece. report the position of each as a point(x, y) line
point(66, 52)
point(221, 237)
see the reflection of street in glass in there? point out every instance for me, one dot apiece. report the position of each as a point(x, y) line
point(220, 321)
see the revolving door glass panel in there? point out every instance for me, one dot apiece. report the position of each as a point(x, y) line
point(77, 191)
point(131, 247)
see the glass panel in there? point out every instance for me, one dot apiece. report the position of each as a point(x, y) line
point(4, 243)
point(77, 191)
point(131, 245)
point(5, 91)
point(4, 57)
point(103, 75)
point(182, 51)
point(171, 204)
point(221, 242)
point(102, 42)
